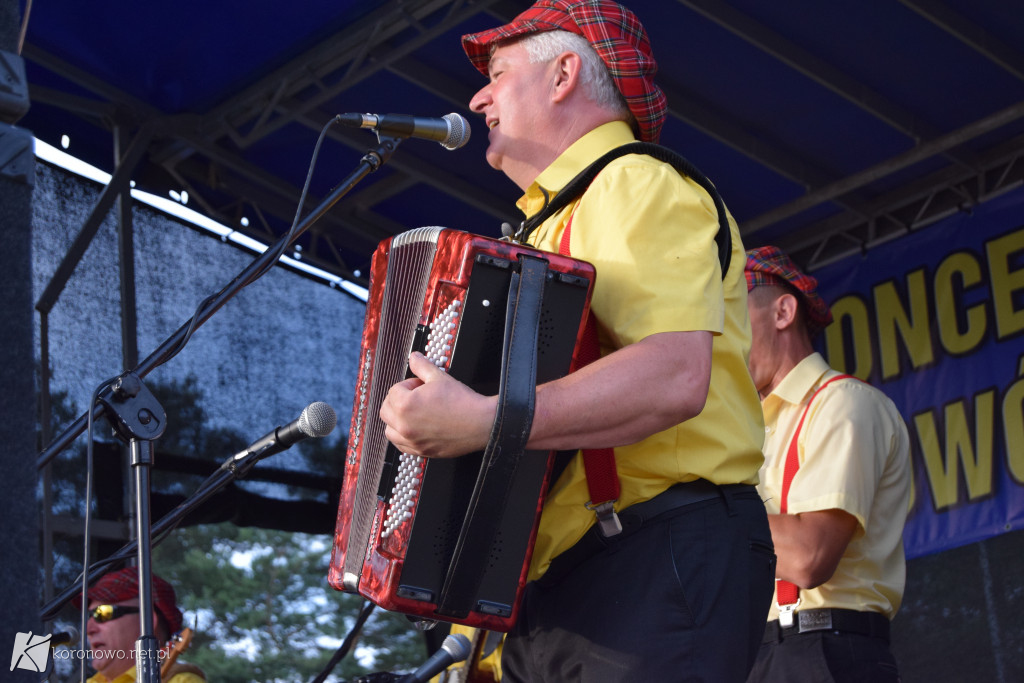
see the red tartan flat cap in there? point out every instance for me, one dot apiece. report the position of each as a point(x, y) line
point(613, 31)
point(769, 266)
point(123, 585)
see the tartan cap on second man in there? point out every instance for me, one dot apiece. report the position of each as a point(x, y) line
point(612, 30)
point(770, 266)
point(123, 585)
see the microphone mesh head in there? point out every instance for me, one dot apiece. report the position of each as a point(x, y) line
point(457, 646)
point(317, 419)
point(458, 131)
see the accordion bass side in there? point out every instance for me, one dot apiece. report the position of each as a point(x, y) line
point(429, 537)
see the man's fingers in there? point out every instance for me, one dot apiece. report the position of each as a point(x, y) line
point(434, 415)
point(423, 368)
point(396, 439)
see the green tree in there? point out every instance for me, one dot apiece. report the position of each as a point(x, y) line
point(264, 611)
point(260, 597)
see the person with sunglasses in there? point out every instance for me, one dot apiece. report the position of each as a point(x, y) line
point(113, 628)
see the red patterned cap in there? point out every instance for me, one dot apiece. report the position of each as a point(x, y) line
point(123, 585)
point(613, 31)
point(769, 266)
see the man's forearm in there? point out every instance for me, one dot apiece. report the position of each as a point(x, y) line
point(810, 545)
point(637, 391)
point(626, 396)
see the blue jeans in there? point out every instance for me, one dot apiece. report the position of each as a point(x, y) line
point(685, 598)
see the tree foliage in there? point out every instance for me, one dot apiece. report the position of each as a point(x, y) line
point(257, 599)
point(260, 597)
point(263, 610)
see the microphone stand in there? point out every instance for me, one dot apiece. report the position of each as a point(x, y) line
point(233, 468)
point(371, 161)
point(138, 418)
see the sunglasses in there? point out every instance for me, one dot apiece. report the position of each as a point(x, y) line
point(104, 613)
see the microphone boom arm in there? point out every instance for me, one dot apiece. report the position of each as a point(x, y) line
point(371, 161)
point(232, 469)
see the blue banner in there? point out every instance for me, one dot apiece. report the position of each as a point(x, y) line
point(935, 319)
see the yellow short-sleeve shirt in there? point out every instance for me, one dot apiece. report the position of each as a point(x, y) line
point(129, 677)
point(650, 234)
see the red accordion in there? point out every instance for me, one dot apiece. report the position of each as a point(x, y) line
point(451, 539)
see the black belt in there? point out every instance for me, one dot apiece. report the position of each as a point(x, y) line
point(634, 517)
point(839, 620)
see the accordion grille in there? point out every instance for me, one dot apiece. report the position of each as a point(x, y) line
point(408, 273)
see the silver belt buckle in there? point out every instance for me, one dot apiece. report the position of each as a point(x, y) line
point(814, 620)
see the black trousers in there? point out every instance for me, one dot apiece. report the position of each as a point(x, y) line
point(685, 598)
point(825, 657)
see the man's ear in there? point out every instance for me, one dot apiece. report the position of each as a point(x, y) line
point(566, 71)
point(786, 308)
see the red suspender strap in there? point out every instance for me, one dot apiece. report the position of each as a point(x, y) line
point(602, 477)
point(599, 463)
point(788, 593)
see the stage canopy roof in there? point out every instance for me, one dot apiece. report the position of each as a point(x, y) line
point(828, 127)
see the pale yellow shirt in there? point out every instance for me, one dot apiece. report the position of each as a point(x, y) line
point(854, 456)
point(650, 233)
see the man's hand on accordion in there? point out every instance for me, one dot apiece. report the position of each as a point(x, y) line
point(435, 415)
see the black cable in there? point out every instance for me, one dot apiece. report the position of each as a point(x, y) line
point(171, 353)
point(346, 644)
point(83, 615)
point(282, 246)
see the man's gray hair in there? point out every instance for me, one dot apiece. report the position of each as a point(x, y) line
point(597, 83)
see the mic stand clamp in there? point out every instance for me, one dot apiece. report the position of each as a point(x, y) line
point(139, 419)
point(375, 158)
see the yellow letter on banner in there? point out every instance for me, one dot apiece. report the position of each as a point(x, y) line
point(850, 311)
point(912, 328)
point(976, 455)
point(1006, 282)
point(947, 304)
point(1013, 428)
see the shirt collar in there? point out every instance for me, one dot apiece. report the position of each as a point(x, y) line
point(569, 163)
point(798, 382)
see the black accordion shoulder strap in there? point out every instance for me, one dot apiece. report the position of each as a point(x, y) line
point(578, 185)
point(509, 433)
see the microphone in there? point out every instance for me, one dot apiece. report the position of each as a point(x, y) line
point(455, 648)
point(69, 637)
point(317, 419)
point(451, 130)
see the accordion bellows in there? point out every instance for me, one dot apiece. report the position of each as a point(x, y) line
point(451, 539)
